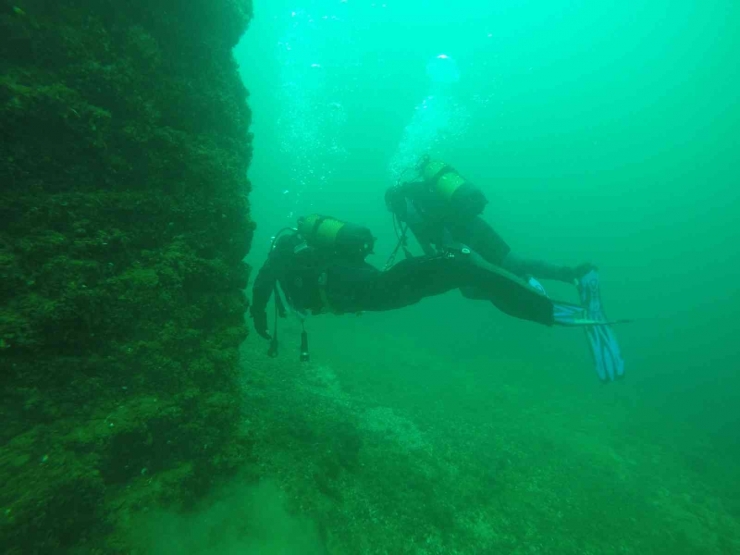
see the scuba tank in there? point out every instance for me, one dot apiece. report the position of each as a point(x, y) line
point(335, 237)
point(463, 200)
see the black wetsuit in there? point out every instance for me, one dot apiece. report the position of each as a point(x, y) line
point(313, 282)
point(426, 215)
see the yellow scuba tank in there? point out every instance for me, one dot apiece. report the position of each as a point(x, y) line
point(335, 237)
point(462, 198)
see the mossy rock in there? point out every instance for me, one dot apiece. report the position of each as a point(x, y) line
point(123, 228)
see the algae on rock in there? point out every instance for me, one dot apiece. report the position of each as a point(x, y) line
point(124, 222)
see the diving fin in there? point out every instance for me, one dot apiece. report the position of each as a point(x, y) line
point(601, 338)
point(590, 316)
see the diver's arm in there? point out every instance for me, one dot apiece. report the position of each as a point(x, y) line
point(424, 242)
point(262, 290)
point(414, 220)
point(427, 247)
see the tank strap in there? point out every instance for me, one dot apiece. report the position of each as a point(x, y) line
point(442, 171)
point(317, 224)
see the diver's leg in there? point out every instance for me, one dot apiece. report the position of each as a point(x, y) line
point(507, 292)
point(362, 287)
point(411, 280)
point(474, 294)
point(408, 282)
point(482, 239)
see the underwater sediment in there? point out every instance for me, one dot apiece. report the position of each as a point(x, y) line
point(124, 222)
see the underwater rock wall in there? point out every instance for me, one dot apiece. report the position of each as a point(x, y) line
point(124, 221)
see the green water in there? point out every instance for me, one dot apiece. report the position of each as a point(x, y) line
point(601, 131)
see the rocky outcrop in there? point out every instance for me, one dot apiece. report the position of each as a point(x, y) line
point(124, 221)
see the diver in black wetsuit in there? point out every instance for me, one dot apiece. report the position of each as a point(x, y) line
point(443, 210)
point(320, 267)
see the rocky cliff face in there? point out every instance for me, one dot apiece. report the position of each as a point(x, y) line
point(124, 220)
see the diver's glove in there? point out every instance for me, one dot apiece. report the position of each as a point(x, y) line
point(260, 323)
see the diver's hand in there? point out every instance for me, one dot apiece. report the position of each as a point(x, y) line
point(260, 324)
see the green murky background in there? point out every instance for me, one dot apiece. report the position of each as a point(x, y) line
point(600, 131)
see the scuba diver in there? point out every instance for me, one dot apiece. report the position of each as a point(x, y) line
point(319, 267)
point(443, 210)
